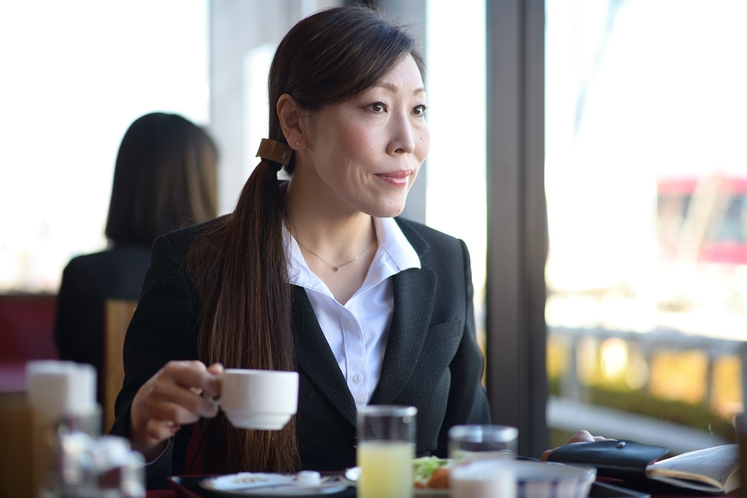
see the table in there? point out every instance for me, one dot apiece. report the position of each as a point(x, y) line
point(169, 493)
point(16, 457)
point(190, 485)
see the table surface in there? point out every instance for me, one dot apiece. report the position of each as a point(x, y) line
point(161, 493)
point(170, 493)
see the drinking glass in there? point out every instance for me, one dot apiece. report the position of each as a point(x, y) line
point(386, 448)
point(468, 443)
point(483, 479)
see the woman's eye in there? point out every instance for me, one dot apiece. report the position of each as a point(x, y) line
point(377, 107)
point(419, 110)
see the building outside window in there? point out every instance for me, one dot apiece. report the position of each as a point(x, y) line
point(646, 179)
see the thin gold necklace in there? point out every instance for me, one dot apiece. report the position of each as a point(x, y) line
point(337, 267)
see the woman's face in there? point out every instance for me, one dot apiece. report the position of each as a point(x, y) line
point(365, 153)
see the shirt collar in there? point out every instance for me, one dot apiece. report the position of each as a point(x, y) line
point(395, 252)
point(396, 245)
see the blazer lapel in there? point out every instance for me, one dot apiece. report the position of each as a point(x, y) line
point(315, 358)
point(414, 294)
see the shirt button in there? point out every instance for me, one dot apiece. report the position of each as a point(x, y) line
point(349, 325)
point(357, 378)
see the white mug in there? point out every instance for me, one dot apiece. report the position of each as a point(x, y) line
point(259, 399)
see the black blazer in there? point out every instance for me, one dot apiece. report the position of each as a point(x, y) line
point(431, 361)
point(87, 282)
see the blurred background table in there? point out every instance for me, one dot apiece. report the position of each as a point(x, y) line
point(16, 457)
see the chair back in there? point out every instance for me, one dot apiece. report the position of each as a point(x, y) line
point(27, 327)
point(117, 315)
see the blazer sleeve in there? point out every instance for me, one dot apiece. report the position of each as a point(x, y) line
point(163, 329)
point(468, 401)
point(68, 331)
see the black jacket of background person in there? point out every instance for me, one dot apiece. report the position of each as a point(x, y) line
point(432, 360)
point(87, 282)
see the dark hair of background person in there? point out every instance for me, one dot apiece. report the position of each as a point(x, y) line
point(240, 267)
point(164, 178)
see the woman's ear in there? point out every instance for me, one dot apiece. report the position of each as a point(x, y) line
point(290, 115)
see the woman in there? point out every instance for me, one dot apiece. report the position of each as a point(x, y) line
point(165, 177)
point(313, 275)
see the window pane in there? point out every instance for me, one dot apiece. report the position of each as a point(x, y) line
point(75, 75)
point(455, 191)
point(646, 183)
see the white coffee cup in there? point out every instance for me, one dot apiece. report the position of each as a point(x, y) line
point(259, 399)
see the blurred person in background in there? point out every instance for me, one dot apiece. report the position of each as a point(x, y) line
point(165, 178)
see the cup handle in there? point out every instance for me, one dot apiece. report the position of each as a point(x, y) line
point(198, 392)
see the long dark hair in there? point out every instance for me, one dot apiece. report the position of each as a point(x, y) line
point(165, 177)
point(239, 266)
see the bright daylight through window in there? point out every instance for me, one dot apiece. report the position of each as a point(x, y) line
point(77, 86)
point(646, 182)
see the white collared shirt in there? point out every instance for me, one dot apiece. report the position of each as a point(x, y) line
point(357, 331)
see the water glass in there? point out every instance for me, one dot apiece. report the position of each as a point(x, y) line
point(468, 443)
point(386, 448)
point(476, 480)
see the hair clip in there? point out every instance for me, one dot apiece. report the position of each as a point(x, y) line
point(272, 150)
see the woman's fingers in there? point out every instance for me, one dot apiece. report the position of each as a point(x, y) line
point(213, 383)
point(180, 393)
point(216, 369)
point(582, 437)
point(181, 406)
point(579, 437)
point(188, 385)
point(160, 430)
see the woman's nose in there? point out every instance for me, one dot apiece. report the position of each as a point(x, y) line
point(402, 140)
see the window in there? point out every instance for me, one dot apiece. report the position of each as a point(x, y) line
point(75, 75)
point(455, 168)
point(645, 181)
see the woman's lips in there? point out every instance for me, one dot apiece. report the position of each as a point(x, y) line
point(396, 178)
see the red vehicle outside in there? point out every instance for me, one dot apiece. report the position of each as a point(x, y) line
point(703, 219)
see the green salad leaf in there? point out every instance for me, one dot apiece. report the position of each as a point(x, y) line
point(424, 467)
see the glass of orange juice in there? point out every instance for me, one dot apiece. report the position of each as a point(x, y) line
point(386, 448)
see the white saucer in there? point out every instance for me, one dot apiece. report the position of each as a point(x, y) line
point(254, 483)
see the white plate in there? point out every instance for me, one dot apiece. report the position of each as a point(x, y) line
point(351, 477)
point(253, 483)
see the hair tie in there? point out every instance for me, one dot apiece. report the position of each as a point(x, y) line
point(277, 152)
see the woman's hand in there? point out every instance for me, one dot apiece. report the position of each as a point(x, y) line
point(579, 437)
point(180, 393)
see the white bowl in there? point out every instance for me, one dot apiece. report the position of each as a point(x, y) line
point(546, 479)
point(537, 479)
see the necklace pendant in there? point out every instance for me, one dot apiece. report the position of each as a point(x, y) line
point(335, 268)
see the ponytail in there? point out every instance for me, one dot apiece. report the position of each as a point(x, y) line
point(239, 265)
point(240, 270)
